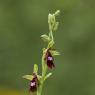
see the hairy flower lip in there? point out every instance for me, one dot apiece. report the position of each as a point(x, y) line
point(34, 83)
point(49, 59)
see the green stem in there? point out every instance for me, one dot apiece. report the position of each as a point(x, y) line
point(51, 35)
point(39, 91)
point(44, 70)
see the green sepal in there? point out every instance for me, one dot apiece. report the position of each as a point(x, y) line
point(29, 77)
point(57, 13)
point(53, 25)
point(56, 26)
point(51, 21)
point(51, 18)
point(54, 52)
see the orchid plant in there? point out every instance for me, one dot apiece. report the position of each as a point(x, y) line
point(36, 80)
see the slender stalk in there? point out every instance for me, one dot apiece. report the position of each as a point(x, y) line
point(39, 91)
point(44, 70)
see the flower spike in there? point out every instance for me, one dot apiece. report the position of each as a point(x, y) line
point(37, 81)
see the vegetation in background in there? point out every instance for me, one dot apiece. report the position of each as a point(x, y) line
point(21, 24)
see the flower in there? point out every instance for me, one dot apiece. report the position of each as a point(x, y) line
point(49, 59)
point(34, 79)
point(34, 83)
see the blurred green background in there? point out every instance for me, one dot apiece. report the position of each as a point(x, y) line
point(21, 24)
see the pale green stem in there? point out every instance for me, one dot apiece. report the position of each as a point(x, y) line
point(51, 34)
point(44, 70)
point(39, 91)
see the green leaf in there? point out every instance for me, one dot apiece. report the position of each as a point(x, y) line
point(29, 77)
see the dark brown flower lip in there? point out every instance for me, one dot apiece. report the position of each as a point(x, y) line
point(34, 83)
point(49, 59)
point(33, 86)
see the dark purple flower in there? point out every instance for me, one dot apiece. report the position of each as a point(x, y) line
point(34, 83)
point(49, 59)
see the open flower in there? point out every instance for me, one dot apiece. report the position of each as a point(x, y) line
point(49, 59)
point(34, 79)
